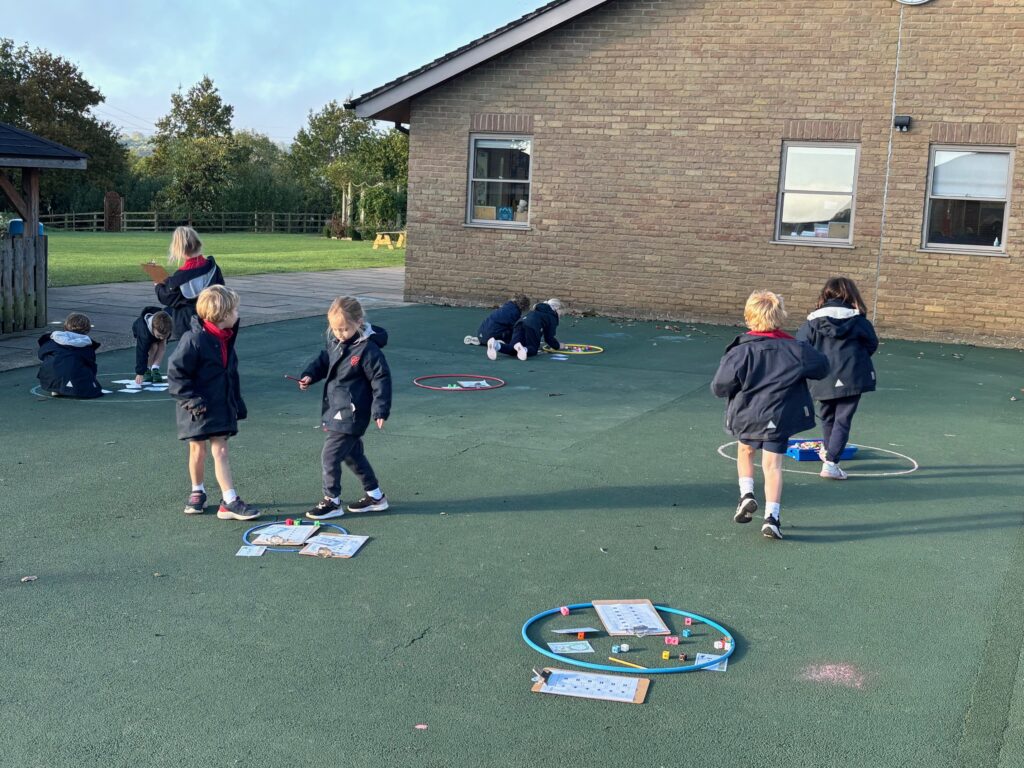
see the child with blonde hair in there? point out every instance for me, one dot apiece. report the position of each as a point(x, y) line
point(68, 367)
point(195, 272)
point(764, 375)
point(357, 389)
point(202, 375)
point(538, 324)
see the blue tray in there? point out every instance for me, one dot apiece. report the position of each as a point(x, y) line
point(811, 454)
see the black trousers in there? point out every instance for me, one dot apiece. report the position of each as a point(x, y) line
point(340, 448)
point(836, 418)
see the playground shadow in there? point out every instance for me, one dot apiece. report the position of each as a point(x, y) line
point(957, 524)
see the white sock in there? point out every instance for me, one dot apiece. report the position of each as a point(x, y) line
point(155, 367)
point(771, 509)
point(746, 486)
point(376, 494)
point(335, 499)
point(199, 488)
point(230, 495)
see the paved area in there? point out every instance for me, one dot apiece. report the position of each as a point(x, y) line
point(113, 307)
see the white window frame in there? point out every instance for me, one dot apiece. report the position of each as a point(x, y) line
point(780, 236)
point(1000, 249)
point(470, 221)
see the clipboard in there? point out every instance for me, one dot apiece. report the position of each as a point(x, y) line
point(585, 685)
point(156, 273)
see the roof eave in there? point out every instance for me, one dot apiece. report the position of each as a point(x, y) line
point(393, 104)
point(41, 162)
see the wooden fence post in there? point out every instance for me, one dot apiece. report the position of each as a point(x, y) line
point(19, 284)
point(7, 284)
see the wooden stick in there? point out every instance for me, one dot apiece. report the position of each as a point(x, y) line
point(625, 663)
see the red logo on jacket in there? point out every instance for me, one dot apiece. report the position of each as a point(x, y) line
point(355, 359)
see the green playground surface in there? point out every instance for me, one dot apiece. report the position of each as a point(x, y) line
point(886, 630)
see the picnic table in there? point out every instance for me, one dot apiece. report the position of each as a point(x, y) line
point(384, 238)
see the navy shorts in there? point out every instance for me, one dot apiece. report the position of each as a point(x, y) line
point(772, 446)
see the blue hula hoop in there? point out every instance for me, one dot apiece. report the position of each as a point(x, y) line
point(630, 670)
point(245, 536)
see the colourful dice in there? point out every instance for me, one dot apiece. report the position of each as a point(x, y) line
point(564, 610)
point(616, 649)
point(624, 648)
point(665, 655)
point(672, 640)
point(687, 632)
point(721, 645)
point(682, 657)
point(687, 621)
point(581, 635)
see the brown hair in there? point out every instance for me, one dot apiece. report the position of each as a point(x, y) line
point(764, 311)
point(522, 301)
point(185, 242)
point(161, 325)
point(843, 289)
point(77, 322)
point(216, 303)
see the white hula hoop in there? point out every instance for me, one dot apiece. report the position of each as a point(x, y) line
point(914, 465)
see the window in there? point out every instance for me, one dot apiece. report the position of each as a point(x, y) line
point(968, 192)
point(499, 181)
point(817, 189)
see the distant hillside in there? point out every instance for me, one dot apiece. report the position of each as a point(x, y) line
point(139, 144)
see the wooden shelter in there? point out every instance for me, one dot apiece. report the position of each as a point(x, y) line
point(23, 258)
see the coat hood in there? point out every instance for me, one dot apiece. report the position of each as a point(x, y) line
point(69, 339)
point(835, 319)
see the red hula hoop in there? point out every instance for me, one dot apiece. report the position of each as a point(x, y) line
point(500, 382)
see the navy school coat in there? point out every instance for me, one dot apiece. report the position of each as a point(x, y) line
point(143, 339)
point(539, 323)
point(180, 291)
point(498, 324)
point(198, 379)
point(765, 380)
point(358, 381)
point(847, 338)
point(68, 364)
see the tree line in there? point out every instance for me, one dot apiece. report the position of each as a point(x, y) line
point(196, 161)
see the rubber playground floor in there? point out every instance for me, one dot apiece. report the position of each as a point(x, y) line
point(886, 630)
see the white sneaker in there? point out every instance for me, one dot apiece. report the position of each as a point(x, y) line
point(822, 453)
point(474, 340)
point(832, 471)
point(493, 345)
point(520, 351)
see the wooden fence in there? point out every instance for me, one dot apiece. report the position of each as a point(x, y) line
point(215, 221)
point(22, 283)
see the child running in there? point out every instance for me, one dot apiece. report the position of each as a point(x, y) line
point(202, 375)
point(357, 388)
point(195, 272)
point(498, 325)
point(68, 367)
point(151, 330)
point(539, 323)
point(839, 329)
point(764, 374)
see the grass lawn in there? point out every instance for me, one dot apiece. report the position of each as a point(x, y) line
point(86, 258)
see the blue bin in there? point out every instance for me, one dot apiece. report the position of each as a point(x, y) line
point(811, 454)
point(16, 227)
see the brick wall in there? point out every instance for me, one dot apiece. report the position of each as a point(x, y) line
point(657, 134)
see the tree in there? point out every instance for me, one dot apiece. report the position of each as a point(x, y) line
point(48, 95)
point(194, 149)
point(261, 178)
point(377, 169)
point(330, 136)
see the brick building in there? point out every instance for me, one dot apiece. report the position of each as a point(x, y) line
point(662, 158)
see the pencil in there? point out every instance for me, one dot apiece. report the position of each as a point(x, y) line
point(626, 663)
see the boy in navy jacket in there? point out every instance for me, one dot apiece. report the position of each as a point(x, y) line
point(357, 389)
point(839, 328)
point(498, 325)
point(151, 330)
point(202, 375)
point(764, 375)
point(538, 324)
point(68, 367)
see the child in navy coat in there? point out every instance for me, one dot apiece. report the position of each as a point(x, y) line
point(180, 291)
point(839, 328)
point(357, 389)
point(498, 325)
point(68, 367)
point(764, 374)
point(538, 324)
point(151, 330)
point(202, 375)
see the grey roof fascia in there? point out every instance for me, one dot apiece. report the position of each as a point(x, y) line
point(31, 162)
point(405, 89)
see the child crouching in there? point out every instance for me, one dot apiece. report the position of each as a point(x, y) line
point(499, 324)
point(151, 330)
point(202, 375)
point(540, 323)
point(357, 388)
point(68, 367)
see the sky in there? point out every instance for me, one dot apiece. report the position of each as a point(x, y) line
point(272, 60)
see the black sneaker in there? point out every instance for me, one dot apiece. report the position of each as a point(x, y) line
point(745, 509)
point(772, 528)
point(237, 510)
point(366, 504)
point(196, 503)
point(325, 510)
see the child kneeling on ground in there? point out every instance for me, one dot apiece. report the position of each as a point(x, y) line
point(202, 375)
point(68, 367)
point(764, 374)
point(357, 388)
point(151, 330)
point(539, 323)
point(499, 324)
